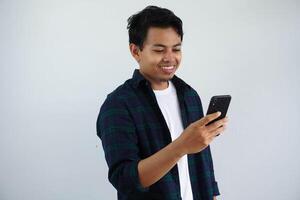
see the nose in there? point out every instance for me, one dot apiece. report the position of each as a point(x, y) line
point(169, 56)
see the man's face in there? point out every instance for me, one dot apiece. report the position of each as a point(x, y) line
point(160, 57)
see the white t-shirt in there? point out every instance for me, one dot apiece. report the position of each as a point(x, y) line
point(169, 106)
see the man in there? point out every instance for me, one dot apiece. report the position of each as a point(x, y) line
point(152, 127)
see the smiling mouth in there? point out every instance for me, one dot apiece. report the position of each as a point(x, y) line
point(168, 69)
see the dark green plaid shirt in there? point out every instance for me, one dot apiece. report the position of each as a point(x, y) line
point(132, 127)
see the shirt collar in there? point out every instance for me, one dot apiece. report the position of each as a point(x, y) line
point(138, 79)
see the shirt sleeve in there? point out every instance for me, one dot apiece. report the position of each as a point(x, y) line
point(216, 191)
point(117, 132)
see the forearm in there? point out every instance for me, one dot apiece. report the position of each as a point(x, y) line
point(156, 166)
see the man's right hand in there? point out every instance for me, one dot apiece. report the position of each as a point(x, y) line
point(193, 139)
point(197, 136)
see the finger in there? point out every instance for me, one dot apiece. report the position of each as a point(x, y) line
point(218, 131)
point(217, 124)
point(208, 118)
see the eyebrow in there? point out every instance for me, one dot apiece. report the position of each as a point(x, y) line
point(161, 45)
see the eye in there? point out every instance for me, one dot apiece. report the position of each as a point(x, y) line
point(176, 50)
point(158, 50)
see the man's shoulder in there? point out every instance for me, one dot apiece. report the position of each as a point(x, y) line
point(191, 96)
point(188, 89)
point(120, 93)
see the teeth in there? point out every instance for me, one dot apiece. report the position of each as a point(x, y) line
point(169, 67)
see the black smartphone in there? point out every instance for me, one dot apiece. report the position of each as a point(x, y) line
point(218, 103)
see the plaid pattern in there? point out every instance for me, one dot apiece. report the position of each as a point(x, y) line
point(132, 127)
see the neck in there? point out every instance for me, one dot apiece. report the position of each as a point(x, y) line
point(156, 84)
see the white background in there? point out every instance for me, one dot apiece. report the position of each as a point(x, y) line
point(59, 59)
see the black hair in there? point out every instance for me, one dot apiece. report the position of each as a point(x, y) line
point(151, 16)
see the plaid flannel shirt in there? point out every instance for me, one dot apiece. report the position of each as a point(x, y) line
point(132, 127)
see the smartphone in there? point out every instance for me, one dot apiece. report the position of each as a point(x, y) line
point(218, 103)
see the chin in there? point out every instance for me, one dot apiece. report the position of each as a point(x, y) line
point(166, 78)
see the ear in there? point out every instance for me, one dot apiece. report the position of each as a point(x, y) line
point(135, 51)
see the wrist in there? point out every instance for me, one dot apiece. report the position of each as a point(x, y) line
point(178, 147)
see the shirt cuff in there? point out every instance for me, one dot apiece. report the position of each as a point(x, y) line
point(216, 189)
point(136, 179)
